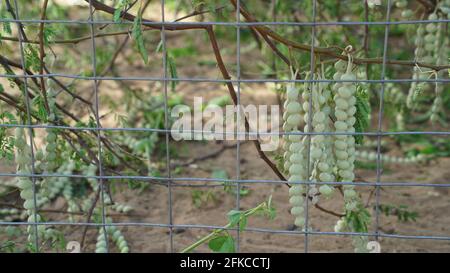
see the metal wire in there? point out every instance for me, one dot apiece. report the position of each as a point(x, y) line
point(97, 124)
point(238, 117)
point(380, 122)
point(168, 180)
point(231, 24)
point(203, 80)
point(310, 128)
point(166, 123)
point(29, 121)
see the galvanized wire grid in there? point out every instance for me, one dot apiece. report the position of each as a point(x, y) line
point(208, 182)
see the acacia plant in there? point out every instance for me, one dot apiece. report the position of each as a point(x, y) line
point(51, 122)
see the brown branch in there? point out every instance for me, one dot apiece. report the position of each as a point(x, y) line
point(197, 12)
point(366, 35)
point(42, 55)
point(429, 5)
point(212, 154)
point(76, 40)
point(233, 95)
point(89, 216)
point(151, 24)
point(317, 206)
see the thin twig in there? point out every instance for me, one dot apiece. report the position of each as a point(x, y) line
point(42, 55)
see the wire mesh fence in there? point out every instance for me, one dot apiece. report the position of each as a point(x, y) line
point(233, 83)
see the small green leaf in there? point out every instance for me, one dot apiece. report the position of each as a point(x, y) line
point(139, 38)
point(219, 174)
point(121, 7)
point(220, 101)
point(243, 223)
point(234, 216)
point(32, 58)
point(362, 113)
point(6, 25)
point(222, 244)
point(49, 34)
point(173, 71)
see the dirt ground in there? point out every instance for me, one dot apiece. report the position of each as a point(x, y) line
point(151, 206)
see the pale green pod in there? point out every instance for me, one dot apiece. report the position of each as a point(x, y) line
point(342, 155)
point(340, 126)
point(296, 201)
point(296, 169)
point(293, 107)
point(297, 211)
point(296, 190)
point(294, 119)
point(296, 158)
point(326, 190)
point(292, 93)
point(342, 104)
point(299, 221)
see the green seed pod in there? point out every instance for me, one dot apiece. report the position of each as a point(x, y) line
point(326, 190)
point(297, 211)
point(293, 107)
point(299, 221)
point(296, 169)
point(296, 201)
point(296, 190)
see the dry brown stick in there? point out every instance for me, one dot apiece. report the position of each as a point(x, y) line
point(366, 35)
point(233, 95)
point(76, 40)
point(114, 57)
point(89, 216)
point(213, 154)
point(196, 12)
point(429, 5)
point(17, 65)
point(65, 88)
point(151, 24)
point(104, 140)
point(42, 55)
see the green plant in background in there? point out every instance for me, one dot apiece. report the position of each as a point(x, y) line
point(220, 240)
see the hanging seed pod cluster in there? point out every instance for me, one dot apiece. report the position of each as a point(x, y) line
point(431, 46)
point(329, 110)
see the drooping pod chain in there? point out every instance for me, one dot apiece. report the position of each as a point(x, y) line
point(372, 156)
point(419, 53)
point(432, 35)
point(441, 53)
point(344, 145)
point(294, 151)
point(116, 236)
point(23, 162)
point(321, 147)
point(402, 4)
point(427, 48)
point(51, 138)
